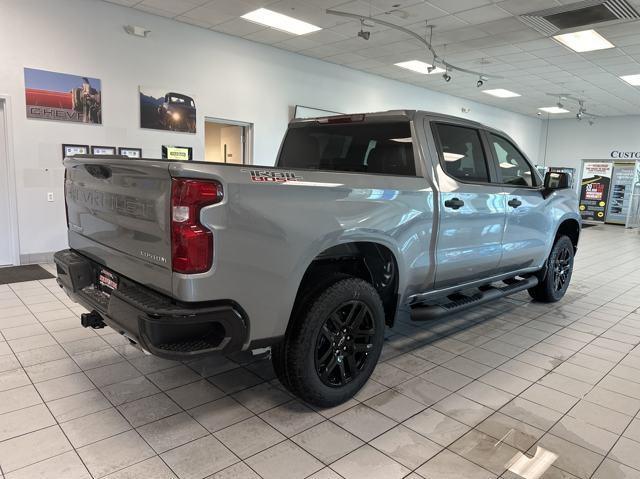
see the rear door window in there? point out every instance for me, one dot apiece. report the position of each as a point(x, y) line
point(461, 153)
point(378, 148)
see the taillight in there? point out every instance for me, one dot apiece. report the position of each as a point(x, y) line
point(191, 242)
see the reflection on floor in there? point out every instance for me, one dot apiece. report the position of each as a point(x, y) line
point(512, 390)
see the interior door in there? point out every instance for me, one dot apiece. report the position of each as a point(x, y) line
point(231, 144)
point(6, 243)
point(472, 210)
point(527, 227)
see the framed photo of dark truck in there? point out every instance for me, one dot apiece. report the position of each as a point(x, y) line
point(167, 110)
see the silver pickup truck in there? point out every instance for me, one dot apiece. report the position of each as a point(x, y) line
point(364, 220)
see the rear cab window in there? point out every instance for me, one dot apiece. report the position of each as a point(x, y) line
point(377, 148)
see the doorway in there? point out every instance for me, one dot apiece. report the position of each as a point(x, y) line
point(8, 241)
point(227, 141)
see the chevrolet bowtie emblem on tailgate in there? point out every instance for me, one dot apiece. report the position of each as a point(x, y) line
point(266, 176)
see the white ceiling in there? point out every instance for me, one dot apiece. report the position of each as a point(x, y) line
point(467, 33)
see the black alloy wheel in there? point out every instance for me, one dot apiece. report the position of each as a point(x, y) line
point(342, 348)
point(554, 282)
point(561, 268)
point(333, 342)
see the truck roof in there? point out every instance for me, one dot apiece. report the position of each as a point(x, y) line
point(388, 114)
point(396, 114)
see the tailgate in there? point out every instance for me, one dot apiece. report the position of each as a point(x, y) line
point(118, 214)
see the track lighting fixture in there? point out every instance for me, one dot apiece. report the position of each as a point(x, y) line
point(479, 83)
point(427, 42)
point(365, 35)
point(446, 77)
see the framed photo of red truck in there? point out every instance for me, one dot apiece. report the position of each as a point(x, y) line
point(63, 97)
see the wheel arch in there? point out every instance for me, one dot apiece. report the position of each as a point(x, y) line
point(372, 261)
point(569, 227)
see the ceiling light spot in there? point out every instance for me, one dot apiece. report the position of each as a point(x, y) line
point(584, 41)
point(554, 110)
point(419, 67)
point(632, 79)
point(280, 22)
point(501, 93)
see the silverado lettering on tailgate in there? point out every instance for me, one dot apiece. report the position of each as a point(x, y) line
point(105, 201)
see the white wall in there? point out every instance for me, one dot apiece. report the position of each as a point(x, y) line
point(228, 77)
point(570, 141)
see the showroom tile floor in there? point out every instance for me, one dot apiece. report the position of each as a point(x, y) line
point(512, 390)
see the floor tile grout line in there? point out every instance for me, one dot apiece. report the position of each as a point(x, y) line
point(542, 340)
point(56, 424)
point(115, 408)
point(182, 410)
point(593, 387)
point(44, 402)
point(440, 336)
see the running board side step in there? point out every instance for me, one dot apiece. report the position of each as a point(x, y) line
point(490, 293)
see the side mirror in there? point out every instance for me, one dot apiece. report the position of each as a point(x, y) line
point(555, 181)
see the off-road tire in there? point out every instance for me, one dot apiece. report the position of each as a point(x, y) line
point(294, 359)
point(551, 288)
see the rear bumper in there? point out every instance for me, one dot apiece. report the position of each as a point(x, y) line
point(157, 323)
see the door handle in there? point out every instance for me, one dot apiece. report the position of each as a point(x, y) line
point(514, 202)
point(454, 203)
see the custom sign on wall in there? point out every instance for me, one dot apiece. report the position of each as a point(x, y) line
point(594, 191)
point(62, 97)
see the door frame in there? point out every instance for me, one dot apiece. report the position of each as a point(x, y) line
point(5, 99)
point(248, 133)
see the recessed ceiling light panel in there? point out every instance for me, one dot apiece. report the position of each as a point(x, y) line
point(285, 23)
point(501, 93)
point(553, 110)
point(632, 79)
point(420, 67)
point(584, 41)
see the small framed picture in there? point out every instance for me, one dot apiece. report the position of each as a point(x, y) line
point(183, 153)
point(70, 150)
point(103, 150)
point(130, 152)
